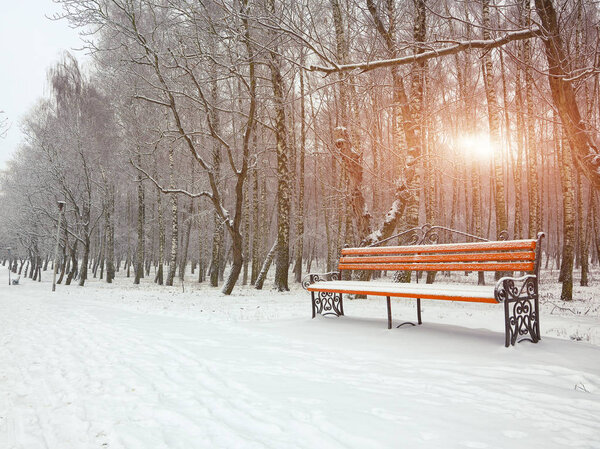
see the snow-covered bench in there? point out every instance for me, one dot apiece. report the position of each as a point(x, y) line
point(519, 295)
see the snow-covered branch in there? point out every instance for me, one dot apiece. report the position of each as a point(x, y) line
point(170, 191)
point(420, 57)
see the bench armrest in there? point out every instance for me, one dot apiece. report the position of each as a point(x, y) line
point(513, 289)
point(311, 278)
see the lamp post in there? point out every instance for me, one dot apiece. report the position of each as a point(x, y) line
point(9, 264)
point(61, 205)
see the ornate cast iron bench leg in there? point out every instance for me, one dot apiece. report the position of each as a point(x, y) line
point(327, 303)
point(521, 309)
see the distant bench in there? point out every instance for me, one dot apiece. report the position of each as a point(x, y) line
point(518, 294)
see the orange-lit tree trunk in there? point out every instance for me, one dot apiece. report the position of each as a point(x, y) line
point(566, 176)
point(585, 150)
point(351, 156)
point(494, 122)
point(531, 147)
point(406, 195)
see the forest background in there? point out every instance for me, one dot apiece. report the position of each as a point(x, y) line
point(215, 137)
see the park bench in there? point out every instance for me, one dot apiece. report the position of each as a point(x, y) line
point(519, 295)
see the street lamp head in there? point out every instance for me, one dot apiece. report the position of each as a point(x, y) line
point(61, 204)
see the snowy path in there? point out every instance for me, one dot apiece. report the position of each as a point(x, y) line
point(77, 372)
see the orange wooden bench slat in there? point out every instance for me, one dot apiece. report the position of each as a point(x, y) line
point(445, 248)
point(506, 266)
point(445, 257)
point(408, 295)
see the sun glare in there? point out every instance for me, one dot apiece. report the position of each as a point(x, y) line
point(478, 146)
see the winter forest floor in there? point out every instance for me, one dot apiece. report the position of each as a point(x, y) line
point(124, 366)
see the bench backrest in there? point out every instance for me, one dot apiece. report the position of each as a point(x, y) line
point(511, 255)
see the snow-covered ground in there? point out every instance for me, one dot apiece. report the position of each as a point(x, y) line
point(127, 366)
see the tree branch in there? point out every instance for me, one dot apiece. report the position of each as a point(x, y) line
point(433, 54)
point(169, 191)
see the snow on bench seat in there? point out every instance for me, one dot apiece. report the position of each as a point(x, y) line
point(455, 292)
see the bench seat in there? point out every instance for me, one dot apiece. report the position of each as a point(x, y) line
point(454, 292)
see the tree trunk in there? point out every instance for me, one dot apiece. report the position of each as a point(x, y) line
point(494, 123)
point(186, 240)
point(300, 204)
point(64, 259)
point(283, 172)
point(74, 262)
point(585, 151)
point(234, 226)
point(406, 198)
point(174, 225)
point(128, 256)
point(219, 231)
point(566, 271)
point(110, 235)
point(246, 226)
point(161, 240)
point(139, 254)
point(585, 252)
point(257, 227)
point(85, 259)
point(260, 280)
point(518, 165)
point(201, 265)
point(532, 169)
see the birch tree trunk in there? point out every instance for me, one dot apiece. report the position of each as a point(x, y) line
point(283, 172)
point(86, 243)
point(186, 240)
point(300, 198)
point(64, 258)
point(201, 263)
point(518, 166)
point(159, 279)
point(494, 122)
point(139, 253)
point(566, 175)
point(532, 169)
point(85, 259)
point(110, 235)
point(405, 195)
point(246, 227)
point(74, 262)
point(585, 253)
point(174, 222)
point(219, 230)
point(256, 234)
point(260, 280)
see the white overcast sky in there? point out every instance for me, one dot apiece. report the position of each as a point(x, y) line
point(29, 44)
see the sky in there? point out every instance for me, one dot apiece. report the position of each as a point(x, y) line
point(29, 44)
